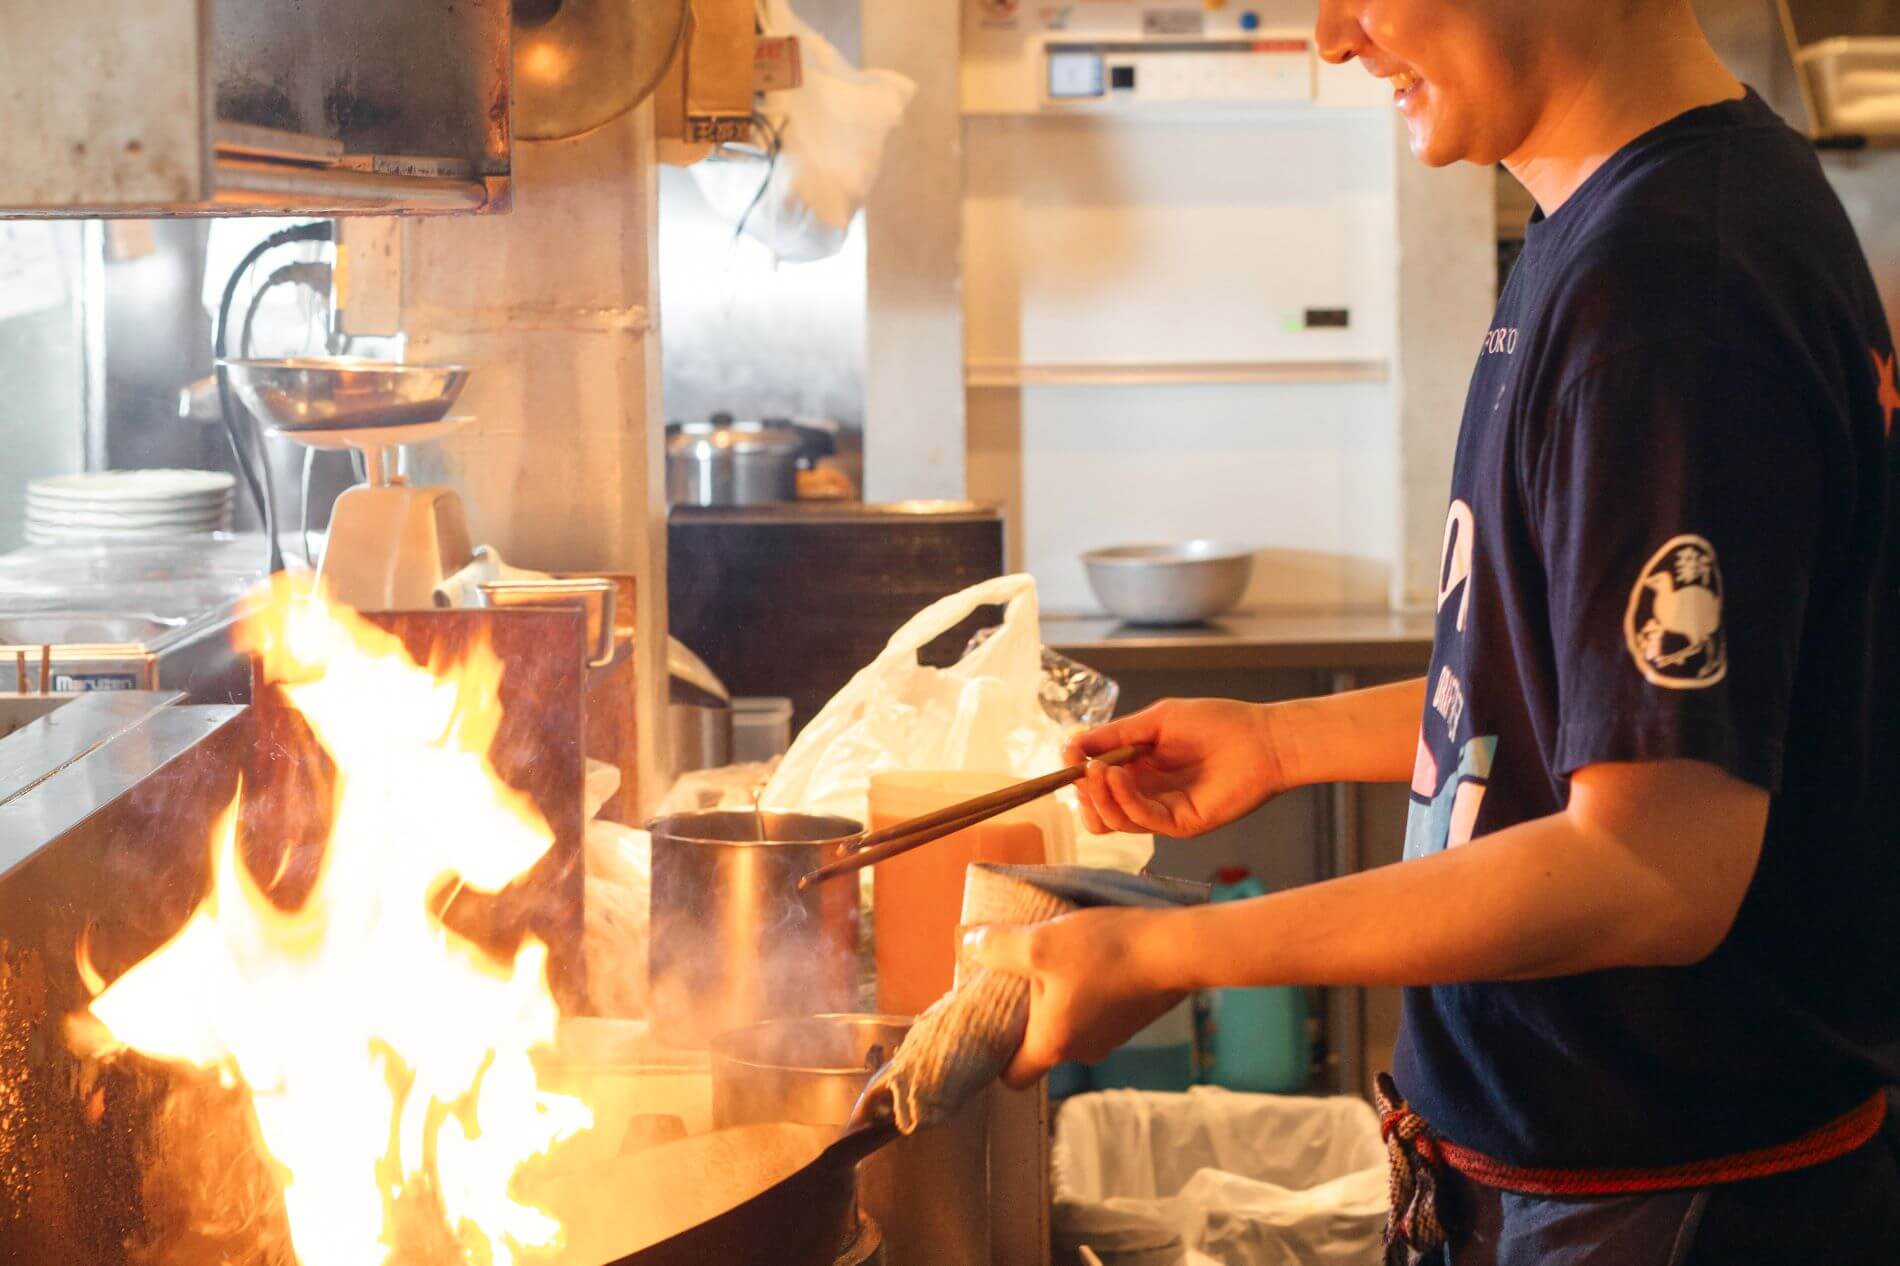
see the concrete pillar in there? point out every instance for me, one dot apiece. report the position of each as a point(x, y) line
point(1447, 262)
point(554, 306)
point(913, 374)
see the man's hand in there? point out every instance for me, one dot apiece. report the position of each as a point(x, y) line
point(1218, 759)
point(1214, 760)
point(1089, 991)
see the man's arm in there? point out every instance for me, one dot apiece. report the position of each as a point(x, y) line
point(1215, 760)
point(1647, 866)
point(1366, 735)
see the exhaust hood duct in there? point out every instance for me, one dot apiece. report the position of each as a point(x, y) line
point(190, 107)
point(580, 64)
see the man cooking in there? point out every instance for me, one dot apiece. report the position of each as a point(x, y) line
point(1646, 919)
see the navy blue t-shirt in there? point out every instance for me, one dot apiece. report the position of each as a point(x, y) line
point(1669, 537)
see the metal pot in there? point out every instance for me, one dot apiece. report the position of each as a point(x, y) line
point(733, 941)
point(928, 1193)
point(808, 1070)
point(726, 463)
point(700, 727)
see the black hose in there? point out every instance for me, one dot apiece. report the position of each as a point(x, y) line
point(317, 278)
point(262, 495)
point(313, 276)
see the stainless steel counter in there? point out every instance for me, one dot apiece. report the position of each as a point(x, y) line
point(1343, 641)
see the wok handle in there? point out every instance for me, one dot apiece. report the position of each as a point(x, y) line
point(881, 845)
point(860, 1141)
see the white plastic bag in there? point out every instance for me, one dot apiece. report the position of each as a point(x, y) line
point(831, 132)
point(618, 861)
point(982, 714)
point(1212, 1176)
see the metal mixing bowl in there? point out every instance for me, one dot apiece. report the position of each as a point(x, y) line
point(324, 393)
point(1182, 583)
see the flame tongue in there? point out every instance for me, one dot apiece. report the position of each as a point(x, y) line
point(386, 1058)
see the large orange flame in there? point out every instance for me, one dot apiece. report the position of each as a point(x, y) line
point(386, 1057)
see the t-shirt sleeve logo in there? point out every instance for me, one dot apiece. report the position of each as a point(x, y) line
point(1674, 622)
point(1889, 390)
point(1454, 567)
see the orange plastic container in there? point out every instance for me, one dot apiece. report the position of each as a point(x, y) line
point(918, 895)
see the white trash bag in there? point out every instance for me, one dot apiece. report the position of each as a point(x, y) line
point(983, 714)
point(1217, 1177)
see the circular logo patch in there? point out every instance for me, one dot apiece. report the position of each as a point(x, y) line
point(1674, 622)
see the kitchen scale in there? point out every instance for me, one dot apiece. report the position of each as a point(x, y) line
point(391, 542)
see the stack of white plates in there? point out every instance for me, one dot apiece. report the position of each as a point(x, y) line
point(127, 504)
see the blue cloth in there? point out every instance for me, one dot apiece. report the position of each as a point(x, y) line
point(1089, 886)
point(1672, 535)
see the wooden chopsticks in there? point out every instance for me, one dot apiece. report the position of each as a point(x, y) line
point(876, 846)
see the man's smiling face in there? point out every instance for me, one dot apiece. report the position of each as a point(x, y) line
point(1462, 71)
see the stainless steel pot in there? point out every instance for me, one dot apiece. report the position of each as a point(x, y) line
point(808, 1070)
point(726, 463)
point(700, 727)
point(594, 595)
point(929, 1193)
point(733, 941)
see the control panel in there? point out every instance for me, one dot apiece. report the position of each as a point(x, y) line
point(1180, 72)
point(1021, 56)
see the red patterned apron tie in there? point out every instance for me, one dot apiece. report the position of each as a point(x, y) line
point(1418, 1159)
point(1414, 1165)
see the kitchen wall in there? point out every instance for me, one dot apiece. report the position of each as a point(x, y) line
point(1129, 286)
point(42, 363)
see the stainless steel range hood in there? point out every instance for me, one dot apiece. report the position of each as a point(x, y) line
point(231, 107)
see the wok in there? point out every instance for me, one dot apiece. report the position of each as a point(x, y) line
point(763, 1195)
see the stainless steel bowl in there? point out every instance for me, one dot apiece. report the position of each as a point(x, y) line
point(333, 393)
point(1182, 583)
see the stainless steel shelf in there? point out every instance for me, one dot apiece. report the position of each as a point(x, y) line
point(1004, 374)
point(1250, 641)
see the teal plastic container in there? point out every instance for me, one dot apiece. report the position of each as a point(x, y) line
point(1068, 1079)
point(1160, 1057)
point(1255, 1038)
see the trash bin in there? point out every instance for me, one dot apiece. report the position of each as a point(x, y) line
point(1215, 1176)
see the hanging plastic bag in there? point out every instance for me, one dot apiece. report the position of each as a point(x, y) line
point(827, 140)
point(1073, 694)
point(982, 714)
